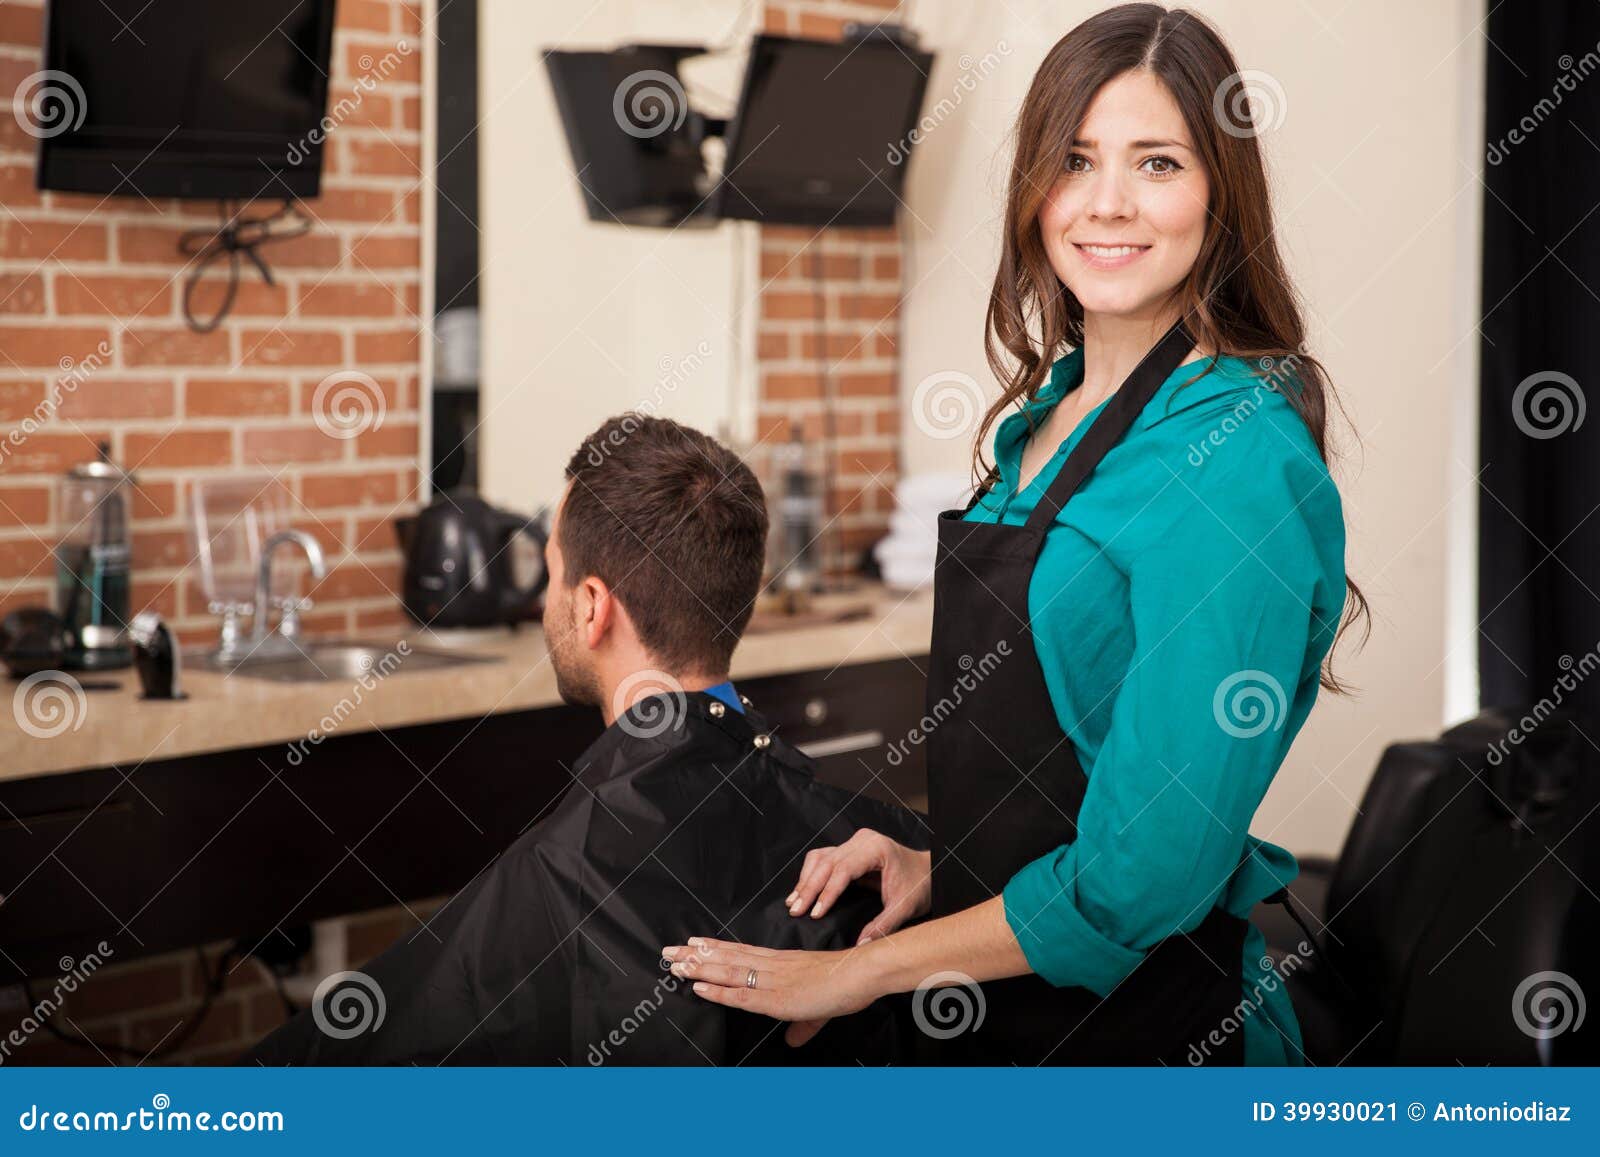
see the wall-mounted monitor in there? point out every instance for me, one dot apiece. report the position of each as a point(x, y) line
point(184, 98)
point(823, 131)
point(635, 142)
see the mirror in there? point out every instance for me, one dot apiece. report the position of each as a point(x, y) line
point(547, 323)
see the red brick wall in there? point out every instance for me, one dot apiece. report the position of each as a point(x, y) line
point(855, 360)
point(77, 271)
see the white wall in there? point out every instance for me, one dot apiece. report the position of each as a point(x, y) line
point(582, 320)
point(1377, 208)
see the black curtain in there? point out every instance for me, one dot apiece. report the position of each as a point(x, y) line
point(1539, 526)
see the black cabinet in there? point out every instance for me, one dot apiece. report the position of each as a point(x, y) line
point(241, 842)
point(856, 722)
point(238, 843)
point(66, 846)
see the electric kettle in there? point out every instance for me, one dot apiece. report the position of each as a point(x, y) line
point(462, 563)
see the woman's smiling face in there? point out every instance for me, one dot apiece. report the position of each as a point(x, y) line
point(1131, 179)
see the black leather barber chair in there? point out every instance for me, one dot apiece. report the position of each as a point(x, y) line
point(1461, 921)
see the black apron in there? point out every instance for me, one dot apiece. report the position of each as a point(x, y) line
point(1005, 785)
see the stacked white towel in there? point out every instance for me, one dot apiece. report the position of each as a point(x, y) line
point(906, 556)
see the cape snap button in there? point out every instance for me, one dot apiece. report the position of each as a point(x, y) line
point(716, 710)
point(745, 701)
point(763, 742)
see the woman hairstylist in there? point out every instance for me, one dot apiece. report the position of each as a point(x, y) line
point(1155, 569)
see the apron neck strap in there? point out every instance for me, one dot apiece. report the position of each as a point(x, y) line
point(1112, 423)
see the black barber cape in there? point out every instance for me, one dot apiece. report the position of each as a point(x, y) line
point(685, 818)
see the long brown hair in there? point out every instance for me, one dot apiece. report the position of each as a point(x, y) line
point(1237, 298)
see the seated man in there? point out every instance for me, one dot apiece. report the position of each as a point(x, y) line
point(687, 815)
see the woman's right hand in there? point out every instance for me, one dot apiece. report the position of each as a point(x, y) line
point(902, 876)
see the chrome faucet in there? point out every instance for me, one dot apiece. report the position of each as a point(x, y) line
point(289, 607)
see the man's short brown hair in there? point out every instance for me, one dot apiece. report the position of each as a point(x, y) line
point(676, 525)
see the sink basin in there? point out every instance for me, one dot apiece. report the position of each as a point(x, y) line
point(349, 662)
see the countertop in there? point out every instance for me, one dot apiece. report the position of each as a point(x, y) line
point(117, 728)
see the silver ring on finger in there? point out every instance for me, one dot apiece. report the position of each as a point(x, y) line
point(750, 979)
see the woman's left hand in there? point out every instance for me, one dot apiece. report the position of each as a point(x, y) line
point(804, 988)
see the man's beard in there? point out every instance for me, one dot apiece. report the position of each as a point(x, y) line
point(575, 683)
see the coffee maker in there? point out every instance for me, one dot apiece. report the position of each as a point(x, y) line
point(92, 564)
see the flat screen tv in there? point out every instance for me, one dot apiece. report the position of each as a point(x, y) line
point(823, 132)
point(183, 98)
point(634, 140)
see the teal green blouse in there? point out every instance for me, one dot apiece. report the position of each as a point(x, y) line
point(1181, 607)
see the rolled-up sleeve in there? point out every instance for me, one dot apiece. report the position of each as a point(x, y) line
point(1232, 612)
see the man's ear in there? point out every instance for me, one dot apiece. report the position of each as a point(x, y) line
point(597, 611)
